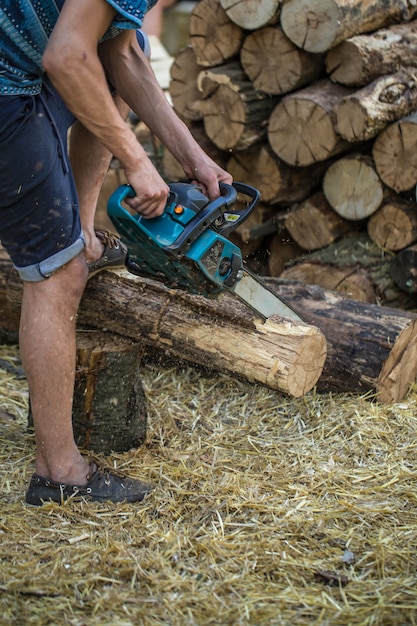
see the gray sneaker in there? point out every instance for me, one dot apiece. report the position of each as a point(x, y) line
point(114, 255)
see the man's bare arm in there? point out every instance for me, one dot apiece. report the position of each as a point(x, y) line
point(72, 62)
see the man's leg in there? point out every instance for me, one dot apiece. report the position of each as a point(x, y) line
point(90, 162)
point(47, 345)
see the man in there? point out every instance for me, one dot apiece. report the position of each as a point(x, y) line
point(76, 63)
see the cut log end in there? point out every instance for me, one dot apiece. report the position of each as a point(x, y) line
point(400, 368)
point(303, 369)
point(311, 24)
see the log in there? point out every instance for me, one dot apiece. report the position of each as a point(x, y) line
point(352, 187)
point(352, 281)
point(394, 225)
point(252, 14)
point(404, 269)
point(359, 60)
point(214, 37)
point(276, 181)
point(370, 348)
point(395, 155)
point(318, 25)
point(313, 224)
point(301, 127)
point(222, 335)
point(364, 114)
point(183, 84)
point(235, 114)
point(356, 267)
point(275, 65)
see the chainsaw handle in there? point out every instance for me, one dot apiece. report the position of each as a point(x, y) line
point(229, 195)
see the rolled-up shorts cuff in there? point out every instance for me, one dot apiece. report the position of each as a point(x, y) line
point(45, 269)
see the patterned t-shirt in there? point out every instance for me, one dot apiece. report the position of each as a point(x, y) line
point(25, 26)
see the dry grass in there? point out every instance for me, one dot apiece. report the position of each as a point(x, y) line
point(257, 493)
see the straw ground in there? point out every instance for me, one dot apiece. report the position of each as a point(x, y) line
point(267, 510)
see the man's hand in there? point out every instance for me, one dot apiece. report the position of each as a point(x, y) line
point(151, 191)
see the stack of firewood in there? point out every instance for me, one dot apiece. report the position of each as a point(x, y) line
point(314, 104)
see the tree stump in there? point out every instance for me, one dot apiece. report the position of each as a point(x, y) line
point(109, 411)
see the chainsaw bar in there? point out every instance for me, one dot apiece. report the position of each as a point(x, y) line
point(255, 294)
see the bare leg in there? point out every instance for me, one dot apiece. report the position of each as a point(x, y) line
point(90, 162)
point(47, 345)
point(47, 325)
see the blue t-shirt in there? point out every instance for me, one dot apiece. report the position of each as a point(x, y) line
point(25, 26)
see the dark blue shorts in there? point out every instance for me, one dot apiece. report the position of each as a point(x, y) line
point(39, 217)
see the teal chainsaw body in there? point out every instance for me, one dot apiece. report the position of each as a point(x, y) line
point(187, 245)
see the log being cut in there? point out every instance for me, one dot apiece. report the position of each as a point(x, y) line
point(222, 335)
point(371, 348)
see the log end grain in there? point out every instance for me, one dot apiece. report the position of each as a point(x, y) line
point(292, 133)
point(400, 368)
point(311, 24)
point(301, 356)
point(252, 14)
point(395, 155)
point(353, 187)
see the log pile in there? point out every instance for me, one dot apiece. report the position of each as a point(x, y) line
point(315, 104)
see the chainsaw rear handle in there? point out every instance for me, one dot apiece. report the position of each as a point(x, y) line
point(228, 198)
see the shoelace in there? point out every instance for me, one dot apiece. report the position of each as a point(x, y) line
point(108, 238)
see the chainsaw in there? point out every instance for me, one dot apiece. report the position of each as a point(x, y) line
point(188, 246)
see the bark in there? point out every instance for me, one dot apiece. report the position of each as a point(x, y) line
point(109, 410)
point(394, 225)
point(353, 187)
point(275, 65)
point(214, 37)
point(301, 127)
point(364, 114)
point(252, 14)
point(313, 224)
point(370, 348)
point(395, 155)
point(318, 25)
point(220, 334)
point(359, 60)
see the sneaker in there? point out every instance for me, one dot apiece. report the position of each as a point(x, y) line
point(102, 484)
point(114, 255)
